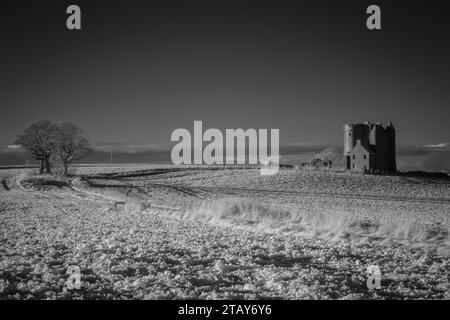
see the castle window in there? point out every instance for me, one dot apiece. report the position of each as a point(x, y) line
point(353, 156)
point(353, 165)
point(364, 156)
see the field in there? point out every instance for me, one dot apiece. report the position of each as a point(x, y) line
point(219, 233)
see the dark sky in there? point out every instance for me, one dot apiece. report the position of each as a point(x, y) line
point(140, 69)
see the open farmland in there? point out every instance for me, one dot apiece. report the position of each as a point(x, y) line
point(223, 233)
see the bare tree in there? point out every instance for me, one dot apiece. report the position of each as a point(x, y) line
point(68, 144)
point(37, 139)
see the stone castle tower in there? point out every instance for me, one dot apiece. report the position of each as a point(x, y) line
point(369, 147)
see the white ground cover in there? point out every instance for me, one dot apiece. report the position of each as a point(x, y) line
point(158, 254)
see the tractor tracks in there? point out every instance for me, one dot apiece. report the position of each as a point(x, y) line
point(204, 190)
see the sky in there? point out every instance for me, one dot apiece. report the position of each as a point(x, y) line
point(140, 69)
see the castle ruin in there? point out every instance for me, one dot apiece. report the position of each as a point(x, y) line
point(369, 147)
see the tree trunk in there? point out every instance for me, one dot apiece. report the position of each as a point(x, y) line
point(48, 165)
point(65, 169)
point(41, 167)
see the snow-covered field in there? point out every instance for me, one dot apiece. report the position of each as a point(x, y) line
point(223, 233)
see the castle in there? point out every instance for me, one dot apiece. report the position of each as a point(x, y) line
point(369, 147)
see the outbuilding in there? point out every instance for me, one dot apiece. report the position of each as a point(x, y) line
point(360, 158)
